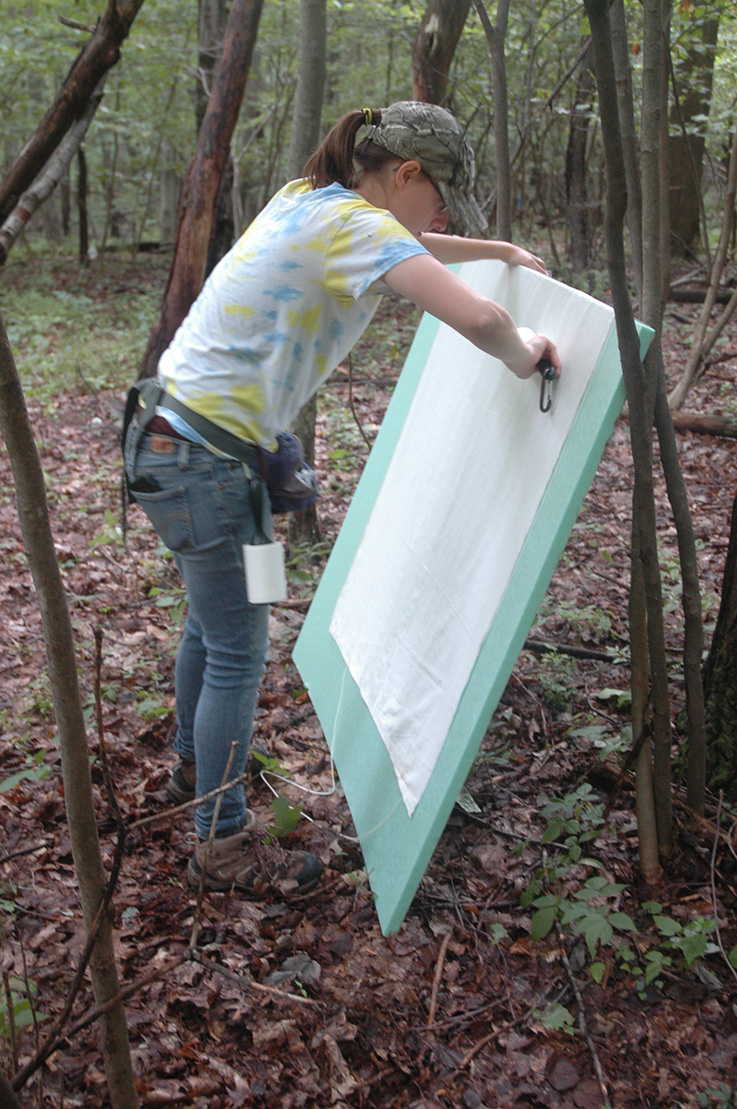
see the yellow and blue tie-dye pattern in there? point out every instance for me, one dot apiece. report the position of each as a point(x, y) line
point(283, 308)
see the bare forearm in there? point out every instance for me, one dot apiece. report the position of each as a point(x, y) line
point(486, 324)
point(454, 248)
point(449, 249)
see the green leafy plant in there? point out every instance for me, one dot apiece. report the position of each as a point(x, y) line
point(111, 531)
point(590, 910)
point(587, 912)
point(35, 767)
point(555, 1017)
point(286, 817)
point(152, 708)
point(587, 905)
point(23, 1010)
point(35, 770)
point(605, 743)
point(574, 820)
point(305, 564)
point(8, 905)
point(620, 699)
point(688, 940)
point(173, 599)
point(555, 678)
point(40, 689)
point(268, 764)
point(724, 1097)
point(679, 944)
point(497, 932)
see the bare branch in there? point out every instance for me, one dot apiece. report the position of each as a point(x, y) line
point(99, 55)
point(49, 177)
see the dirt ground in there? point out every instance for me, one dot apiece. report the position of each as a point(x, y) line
point(306, 1004)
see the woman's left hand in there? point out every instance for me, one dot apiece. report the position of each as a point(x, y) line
point(518, 256)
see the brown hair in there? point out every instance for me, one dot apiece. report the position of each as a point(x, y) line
point(336, 157)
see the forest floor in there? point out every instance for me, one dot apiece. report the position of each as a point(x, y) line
point(306, 1003)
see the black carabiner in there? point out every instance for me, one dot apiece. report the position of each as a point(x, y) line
point(546, 370)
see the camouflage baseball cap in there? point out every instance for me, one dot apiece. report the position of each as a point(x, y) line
point(433, 136)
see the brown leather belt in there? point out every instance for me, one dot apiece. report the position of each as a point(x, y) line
point(157, 425)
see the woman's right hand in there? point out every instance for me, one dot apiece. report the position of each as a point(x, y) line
point(539, 348)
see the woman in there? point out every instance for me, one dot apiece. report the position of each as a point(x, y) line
point(273, 320)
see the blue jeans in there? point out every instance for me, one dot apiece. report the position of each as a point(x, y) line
point(201, 507)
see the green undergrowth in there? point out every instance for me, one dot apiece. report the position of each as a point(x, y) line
point(70, 327)
point(571, 891)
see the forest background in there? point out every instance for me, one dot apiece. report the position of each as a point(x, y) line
point(105, 235)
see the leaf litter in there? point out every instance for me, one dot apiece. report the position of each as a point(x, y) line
point(307, 1004)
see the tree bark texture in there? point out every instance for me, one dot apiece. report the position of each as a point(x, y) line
point(693, 620)
point(647, 824)
point(58, 637)
point(649, 285)
point(666, 7)
point(8, 1100)
point(705, 425)
point(720, 680)
point(84, 241)
point(311, 77)
point(100, 54)
point(640, 398)
point(697, 296)
point(576, 192)
point(212, 22)
point(630, 140)
point(304, 527)
point(702, 343)
point(655, 256)
point(434, 47)
point(495, 36)
point(52, 173)
point(686, 150)
point(201, 187)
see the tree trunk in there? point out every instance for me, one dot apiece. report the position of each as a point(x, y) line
point(686, 150)
point(169, 186)
point(701, 343)
point(311, 77)
point(84, 242)
point(649, 285)
point(202, 184)
point(8, 1100)
point(495, 36)
point(434, 47)
point(98, 56)
point(576, 192)
point(640, 397)
point(58, 638)
point(705, 425)
point(66, 207)
point(53, 172)
point(720, 681)
point(647, 824)
point(304, 527)
point(693, 639)
point(655, 254)
point(664, 154)
point(213, 19)
point(630, 141)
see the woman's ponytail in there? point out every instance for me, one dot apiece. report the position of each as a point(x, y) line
point(335, 158)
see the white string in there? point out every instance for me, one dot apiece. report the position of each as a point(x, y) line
point(333, 788)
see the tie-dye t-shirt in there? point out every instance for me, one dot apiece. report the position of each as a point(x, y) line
point(283, 308)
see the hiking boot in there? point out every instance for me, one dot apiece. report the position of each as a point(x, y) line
point(181, 785)
point(247, 863)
